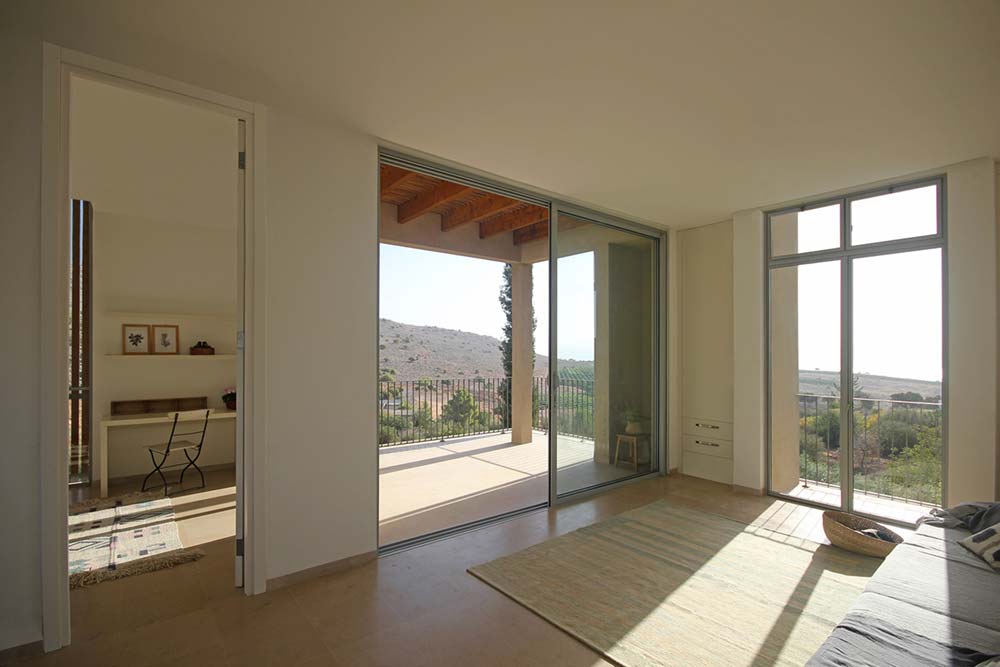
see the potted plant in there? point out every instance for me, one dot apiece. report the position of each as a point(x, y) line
point(633, 419)
point(229, 397)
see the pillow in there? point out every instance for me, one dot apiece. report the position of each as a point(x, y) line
point(985, 544)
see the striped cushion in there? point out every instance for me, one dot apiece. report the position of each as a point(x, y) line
point(985, 544)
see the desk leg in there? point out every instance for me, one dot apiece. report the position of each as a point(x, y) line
point(102, 452)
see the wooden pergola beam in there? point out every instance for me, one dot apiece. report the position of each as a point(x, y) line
point(390, 177)
point(539, 230)
point(477, 210)
point(427, 201)
point(513, 221)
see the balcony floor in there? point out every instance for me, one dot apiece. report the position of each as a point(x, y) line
point(894, 510)
point(432, 486)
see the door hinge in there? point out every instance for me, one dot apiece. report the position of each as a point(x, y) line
point(239, 548)
point(242, 159)
point(240, 340)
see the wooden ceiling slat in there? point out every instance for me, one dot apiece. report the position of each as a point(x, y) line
point(392, 177)
point(427, 201)
point(539, 230)
point(477, 210)
point(512, 221)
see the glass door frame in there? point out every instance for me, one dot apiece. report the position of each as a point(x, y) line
point(392, 155)
point(845, 254)
point(659, 396)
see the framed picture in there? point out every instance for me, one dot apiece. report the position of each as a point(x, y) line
point(135, 339)
point(166, 339)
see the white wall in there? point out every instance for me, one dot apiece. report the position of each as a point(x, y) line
point(749, 373)
point(972, 460)
point(320, 295)
point(20, 164)
point(971, 391)
point(322, 337)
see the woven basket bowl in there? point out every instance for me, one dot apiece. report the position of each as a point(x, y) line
point(842, 529)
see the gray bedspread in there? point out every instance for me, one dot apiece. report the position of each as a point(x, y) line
point(931, 603)
point(861, 640)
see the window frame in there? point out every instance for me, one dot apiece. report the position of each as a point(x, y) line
point(845, 254)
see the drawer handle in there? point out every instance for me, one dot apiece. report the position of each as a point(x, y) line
point(700, 425)
point(706, 443)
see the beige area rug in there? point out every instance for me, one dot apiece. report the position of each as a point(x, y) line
point(111, 538)
point(666, 585)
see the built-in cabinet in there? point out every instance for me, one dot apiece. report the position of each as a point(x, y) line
point(706, 328)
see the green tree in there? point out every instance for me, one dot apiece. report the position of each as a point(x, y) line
point(907, 396)
point(503, 407)
point(856, 386)
point(387, 386)
point(461, 408)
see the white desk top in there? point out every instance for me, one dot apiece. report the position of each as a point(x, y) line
point(158, 418)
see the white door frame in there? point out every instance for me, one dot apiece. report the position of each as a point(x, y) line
point(58, 63)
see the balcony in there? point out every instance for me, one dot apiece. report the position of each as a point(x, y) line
point(897, 455)
point(446, 455)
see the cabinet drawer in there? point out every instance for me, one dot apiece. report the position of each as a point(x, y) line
point(708, 467)
point(708, 446)
point(708, 427)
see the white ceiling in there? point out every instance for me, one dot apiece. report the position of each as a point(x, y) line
point(673, 112)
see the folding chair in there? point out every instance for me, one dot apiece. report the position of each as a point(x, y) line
point(174, 445)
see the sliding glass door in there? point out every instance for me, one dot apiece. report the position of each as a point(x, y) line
point(855, 351)
point(604, 371)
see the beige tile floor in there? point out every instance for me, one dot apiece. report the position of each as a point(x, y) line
point(432, 486)
point(414, 607)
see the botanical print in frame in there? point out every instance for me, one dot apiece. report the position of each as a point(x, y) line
point(135, 339)
point(166, 339)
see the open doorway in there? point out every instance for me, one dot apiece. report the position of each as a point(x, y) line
point(155, 306)
point(462, 423)
point(476, 420)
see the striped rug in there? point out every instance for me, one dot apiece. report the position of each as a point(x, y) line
point(666, 585)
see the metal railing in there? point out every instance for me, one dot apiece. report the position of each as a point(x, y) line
point(897, 446)
point(422, 410)
point(574, 413)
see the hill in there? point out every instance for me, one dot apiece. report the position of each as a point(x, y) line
point(421, 352)
point(433, 353)
point(824, 383)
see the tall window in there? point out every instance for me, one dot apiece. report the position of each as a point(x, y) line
point(855, 351)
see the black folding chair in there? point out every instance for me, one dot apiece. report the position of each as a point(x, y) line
point(173, 445)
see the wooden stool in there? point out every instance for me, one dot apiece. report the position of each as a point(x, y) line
point(632, 442)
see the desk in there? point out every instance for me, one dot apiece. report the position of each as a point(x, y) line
point(109, 423)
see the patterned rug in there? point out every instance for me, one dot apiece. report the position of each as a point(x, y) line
point(122, 537)
point(666, 585)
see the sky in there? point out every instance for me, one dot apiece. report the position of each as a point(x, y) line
point(455, 292)
point(897, 298)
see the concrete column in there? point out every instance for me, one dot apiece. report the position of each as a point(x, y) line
point(522, 354)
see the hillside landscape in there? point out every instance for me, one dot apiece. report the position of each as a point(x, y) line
point(433, 353)
point(824, 383)
point(421, 352)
